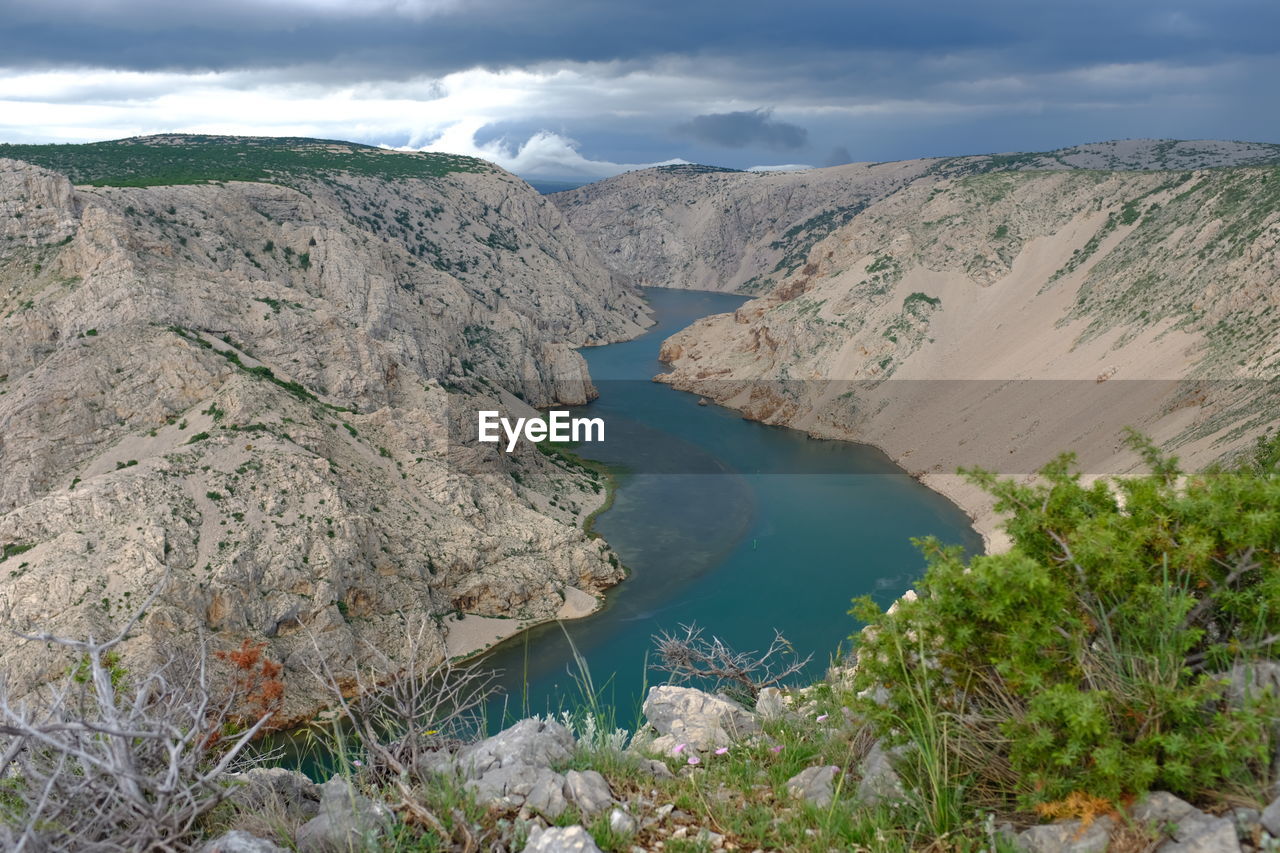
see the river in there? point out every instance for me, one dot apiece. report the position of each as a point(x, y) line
point(733, 525)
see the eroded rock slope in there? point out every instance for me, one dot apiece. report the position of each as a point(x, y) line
point(261, 398)
point(990, 311)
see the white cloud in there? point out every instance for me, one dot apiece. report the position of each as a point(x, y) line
point(433, 114)
point(543, 155)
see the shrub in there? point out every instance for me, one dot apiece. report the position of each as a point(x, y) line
point(1091, 657)
point(690, 656)
point(104, 758)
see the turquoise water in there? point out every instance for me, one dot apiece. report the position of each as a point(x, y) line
point(737, 526)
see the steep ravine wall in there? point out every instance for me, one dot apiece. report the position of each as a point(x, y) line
point(978, 317)
point(252, 396)
point(997, 320)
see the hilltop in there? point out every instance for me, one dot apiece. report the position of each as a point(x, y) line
point(178, 158)
point(719, 229)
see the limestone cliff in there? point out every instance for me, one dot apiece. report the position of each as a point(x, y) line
point(261, 395)
point(996, 311)
point(719, 229)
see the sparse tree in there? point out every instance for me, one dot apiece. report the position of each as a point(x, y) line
point(401, 721)
point(689, 656)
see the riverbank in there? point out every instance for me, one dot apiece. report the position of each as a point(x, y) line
point(469, 635)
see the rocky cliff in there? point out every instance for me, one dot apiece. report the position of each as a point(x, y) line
point(986, 311)
point(259, 395)
point(717, 229)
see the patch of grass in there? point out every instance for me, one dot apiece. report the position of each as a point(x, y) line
point(919, 299)
point(13, 549)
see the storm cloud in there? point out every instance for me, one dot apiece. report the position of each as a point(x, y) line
point(743, 129)
point(584, 88)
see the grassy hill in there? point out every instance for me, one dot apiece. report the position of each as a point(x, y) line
point(170, 159)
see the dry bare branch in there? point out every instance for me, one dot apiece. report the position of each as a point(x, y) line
point(107, 760)
point(402, 721)
point(691, 656)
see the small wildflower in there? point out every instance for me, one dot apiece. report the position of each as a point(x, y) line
point(722, 750)
point(431, 732)
point(775, 749)
point(678, 748)
point(357, 763)
point(693, 759)
point(822, 717)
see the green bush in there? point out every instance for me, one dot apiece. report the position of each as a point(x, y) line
point(1092, 656)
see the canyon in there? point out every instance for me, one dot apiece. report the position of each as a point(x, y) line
point(257, 396)
point(254, 388)
point(981, 312)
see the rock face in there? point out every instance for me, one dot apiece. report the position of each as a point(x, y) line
point(995, 320)
point(717, 229)
point(701, 721)
point(262, 399)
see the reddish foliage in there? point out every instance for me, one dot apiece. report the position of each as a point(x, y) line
point(256, 680)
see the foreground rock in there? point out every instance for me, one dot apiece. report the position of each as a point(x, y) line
point(569, 839)
point(684, 715)
point(769, 704)
point(1068, 837)
point(814, 785)
point(512, 770)
point(240, 842)
point(276, 791)
point(1174, 824)
point(880, 782)
point(588, 790)
point(347, 821)
point(532, 742)
point(522, 788)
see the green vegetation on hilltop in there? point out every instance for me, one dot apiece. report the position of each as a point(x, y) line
point(798, 240)
point(196, 159)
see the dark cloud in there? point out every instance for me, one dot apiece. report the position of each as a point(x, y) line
point(882, 78)
point(838, 157)
point(746, 129)
point(389, 38)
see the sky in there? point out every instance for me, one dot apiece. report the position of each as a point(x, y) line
point(581, 89)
